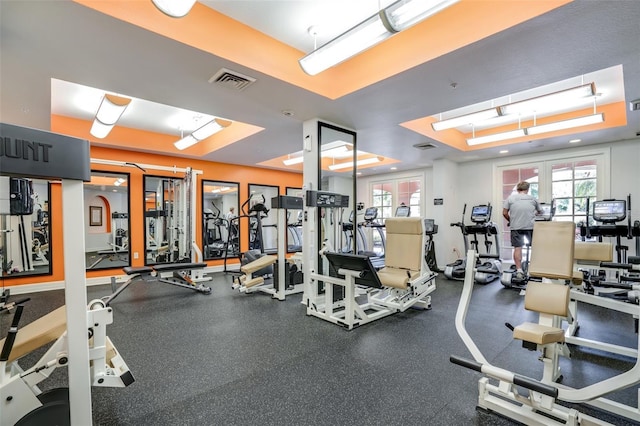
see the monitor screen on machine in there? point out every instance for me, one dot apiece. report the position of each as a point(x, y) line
point(481, 213)
point(609, 211)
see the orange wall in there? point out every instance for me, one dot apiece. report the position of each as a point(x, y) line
point(211, 171)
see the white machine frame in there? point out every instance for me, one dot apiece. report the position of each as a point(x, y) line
point(19, 388)
point(360, 304)
point(249, 284)
point(504, 398)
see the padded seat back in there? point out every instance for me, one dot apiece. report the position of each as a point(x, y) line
point(38, 333)
point(404, 243)
point(593, 252)
point(552, 250)
point(547, 298)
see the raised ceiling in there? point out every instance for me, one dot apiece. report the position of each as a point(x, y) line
point(73, 43)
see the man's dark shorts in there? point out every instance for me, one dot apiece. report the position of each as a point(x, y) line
point(517, 237)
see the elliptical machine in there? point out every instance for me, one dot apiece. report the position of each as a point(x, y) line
point(508, 278)
point(489, 266)
point(456, 269)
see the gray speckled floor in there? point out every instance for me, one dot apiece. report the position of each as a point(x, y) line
point(236, 359)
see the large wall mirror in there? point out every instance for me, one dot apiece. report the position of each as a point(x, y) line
point(263, 231)
point(220, 227)
point(337, 173)
point(25, 228)
point(167, 233)
point(294, 223)
point(106, 227)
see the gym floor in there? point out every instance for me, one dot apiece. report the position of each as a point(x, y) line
point(235, 359)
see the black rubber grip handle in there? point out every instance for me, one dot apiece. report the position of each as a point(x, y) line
point(616, 265)
point(465, 362)
point(519, 380)
point(11, 336)
point(535, 385)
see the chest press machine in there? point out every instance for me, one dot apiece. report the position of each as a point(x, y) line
point(553, 260)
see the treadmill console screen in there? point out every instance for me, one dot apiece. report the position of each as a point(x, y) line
point(481, 214)
point(609, 211)
point(546, 214)
point(371, 213)
point(429, 226)
point(403, 211)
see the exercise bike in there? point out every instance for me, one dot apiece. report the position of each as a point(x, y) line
point(509, 278)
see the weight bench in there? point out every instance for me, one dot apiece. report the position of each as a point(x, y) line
point(19, 393)
point(105, 254)
point(176, 274)
point(245, 283)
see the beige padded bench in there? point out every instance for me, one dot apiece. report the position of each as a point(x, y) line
point(547, 298)
point(403, 252)
point(552, 250)
point(254, 266)
point(44, 330)
point(552, 258)
point(590, 254)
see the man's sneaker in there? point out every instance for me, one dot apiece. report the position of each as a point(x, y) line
point(519, 276)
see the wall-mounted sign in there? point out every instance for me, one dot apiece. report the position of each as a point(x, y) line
point(438, 201)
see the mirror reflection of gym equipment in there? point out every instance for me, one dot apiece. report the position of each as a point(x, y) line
point(24, 227)
point(220, 233)
point(107, 227)
point(167, 237)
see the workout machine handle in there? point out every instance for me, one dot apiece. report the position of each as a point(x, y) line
point(518, 379)
point(627, 266)
point(11, 336)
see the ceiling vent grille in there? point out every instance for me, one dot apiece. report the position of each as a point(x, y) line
point(232, 79)
point(424, 146)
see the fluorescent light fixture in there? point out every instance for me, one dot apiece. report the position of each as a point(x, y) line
point(109, 112)
point(400, 15)
point(496, 137)
point(293, 160)
point(566, 124)
point(174, 8)
point(212, 127)
point(348, 164)
point(575, 140)
point(336, 151)
point(119, 181)
point(358, 39)
point(551, 102)
point(404, 14)
point(504, 151)
point(462, 120)
point(221, 189)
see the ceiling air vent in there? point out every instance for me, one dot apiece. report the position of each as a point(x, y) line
point(231, 79)
point(423, 146)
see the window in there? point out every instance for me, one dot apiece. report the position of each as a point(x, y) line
point(572, 183)
point(382, 198)
point(569, 181)
point(409, 195)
